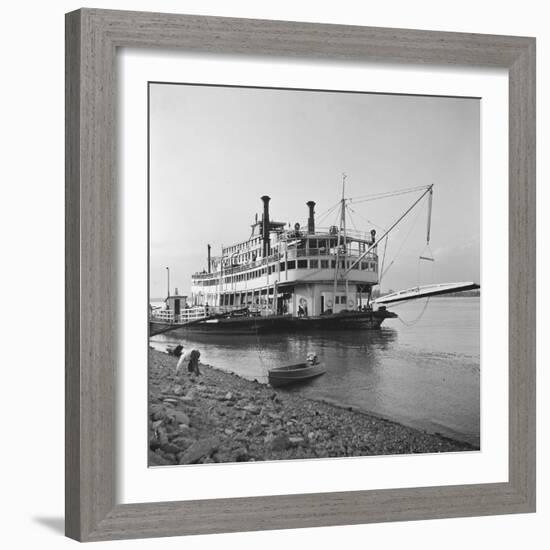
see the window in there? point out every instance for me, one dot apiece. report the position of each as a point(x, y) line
point(302, 264)
point(313, 264)
point(356, 266)
point(324, 264)
point(364, 265)
point(333, 263)
point(282, 266)
point(337, 299)
point(292, 264)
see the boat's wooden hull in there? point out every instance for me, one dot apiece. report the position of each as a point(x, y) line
point(279, 323)
point(287, 375)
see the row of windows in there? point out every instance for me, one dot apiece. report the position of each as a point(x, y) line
point(326, 264)
point(251, 249)
point(291, 264)
point(242, 246)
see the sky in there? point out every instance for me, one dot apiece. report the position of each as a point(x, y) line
point(214, 151)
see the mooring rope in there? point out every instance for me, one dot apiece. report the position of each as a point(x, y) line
point(418, 318)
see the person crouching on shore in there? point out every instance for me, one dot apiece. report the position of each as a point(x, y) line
point(189, 359)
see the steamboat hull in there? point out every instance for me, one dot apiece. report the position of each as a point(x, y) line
point(276, 323)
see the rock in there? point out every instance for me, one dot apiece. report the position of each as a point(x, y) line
point(182, 443)
point(162, 436)
point(228, 431)
point(229, 396)
point(256, 430)
point(252, 409)
point(157, 412)
point(184, 431)
point(177, 390)
point(280, 442)
point(157, 460)
point(170, 448)
point(200, 449)
point(191, 395)
point(170, 401)
point(241, 455)
point(296, 441)
point(179, 417)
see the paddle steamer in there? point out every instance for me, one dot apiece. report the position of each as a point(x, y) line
point(287, 278)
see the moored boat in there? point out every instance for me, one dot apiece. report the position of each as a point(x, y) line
point(292, 374)
point(294, 278)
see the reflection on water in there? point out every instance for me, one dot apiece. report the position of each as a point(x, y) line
point(425, 375)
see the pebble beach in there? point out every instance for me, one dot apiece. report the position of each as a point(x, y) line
point(222, 417)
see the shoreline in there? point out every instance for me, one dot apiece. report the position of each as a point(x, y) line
point(223, 417)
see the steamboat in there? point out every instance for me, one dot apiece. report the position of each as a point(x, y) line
point(285, 278)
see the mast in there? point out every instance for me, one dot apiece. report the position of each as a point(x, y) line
point(430, 198)
point(341, 225)
point(346, 251)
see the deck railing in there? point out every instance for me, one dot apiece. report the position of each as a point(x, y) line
point(186, 315)
point(291, 254)
point(201, 312)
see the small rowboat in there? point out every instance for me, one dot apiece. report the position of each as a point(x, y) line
point(291, 374)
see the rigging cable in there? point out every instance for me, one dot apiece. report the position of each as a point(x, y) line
point(378, 196)
point(365, 219)
point(412, 226)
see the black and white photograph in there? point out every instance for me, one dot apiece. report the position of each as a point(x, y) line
point(314, 274)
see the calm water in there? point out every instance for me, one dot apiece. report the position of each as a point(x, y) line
point(425, 375)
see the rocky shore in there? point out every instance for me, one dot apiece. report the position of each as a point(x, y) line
point(221, 417)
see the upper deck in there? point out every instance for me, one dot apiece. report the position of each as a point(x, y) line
point(294, 255)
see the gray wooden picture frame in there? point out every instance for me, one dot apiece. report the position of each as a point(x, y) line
point(92, 39)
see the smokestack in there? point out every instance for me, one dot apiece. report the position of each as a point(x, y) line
point(311, 219)
point(265, 227)
point(209, 261)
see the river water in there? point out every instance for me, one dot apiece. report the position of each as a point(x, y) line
point(421, 370)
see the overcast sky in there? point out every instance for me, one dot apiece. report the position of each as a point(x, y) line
point(214, 151)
